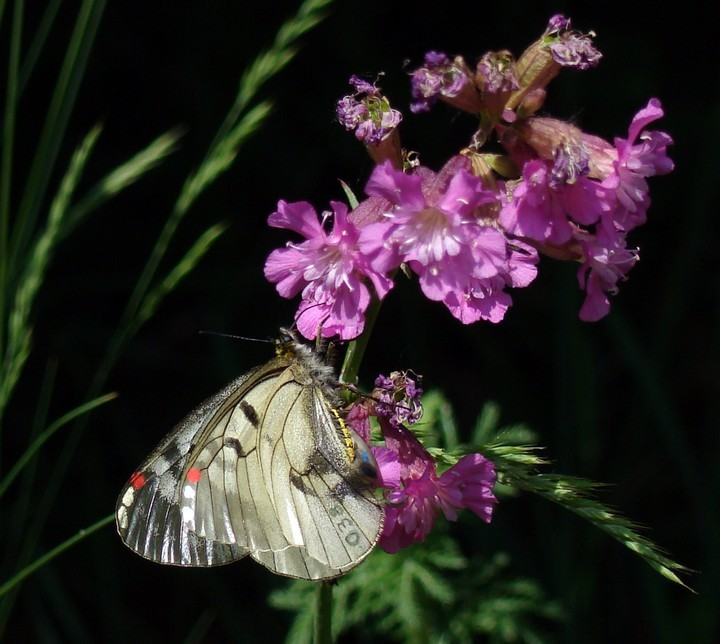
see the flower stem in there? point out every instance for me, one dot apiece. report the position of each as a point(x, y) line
point(356, 348)
point(323, 613)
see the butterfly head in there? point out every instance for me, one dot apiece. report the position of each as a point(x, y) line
point(364, 466)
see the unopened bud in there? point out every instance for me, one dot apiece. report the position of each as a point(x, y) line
point(534, 70)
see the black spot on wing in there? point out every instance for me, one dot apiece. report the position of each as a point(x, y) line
point(234, 444)
point(250, 413)
point(300, 483)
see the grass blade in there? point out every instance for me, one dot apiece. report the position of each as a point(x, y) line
point(8, 139)
point(272, 61)
point(121, 177)
point(42, 438)
point(221, 153)
point(38, 43)
point(221, 158)
point(58, 114)
point(180, 271)
point(516, 467)
point(50, 555)
point(19, 331)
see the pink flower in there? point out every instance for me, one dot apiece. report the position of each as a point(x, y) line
point(643, 154)
point(418, 493)
point(607, 257)
point(328, 268)
point(434, 224)
point(546, 210)
point(486, 299)
point(607, 261)
point(479, 300)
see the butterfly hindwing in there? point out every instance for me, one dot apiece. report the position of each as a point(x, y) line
point(265, 467)
point(152, 511)
point(330, 522)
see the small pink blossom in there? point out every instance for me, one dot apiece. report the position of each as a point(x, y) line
point(418, 493)
point(570, 48)
point(607, 261)
point(367, 112)
point(434, 225)
point(398, 398)
point(328, 268)
point(495, 73)
point(545, 211)
point(643, 154)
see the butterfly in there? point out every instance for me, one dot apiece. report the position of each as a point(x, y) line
point(267, 468)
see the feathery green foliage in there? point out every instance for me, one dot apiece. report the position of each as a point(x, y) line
point(432, 591)
point(519, 467)
point(428, 593)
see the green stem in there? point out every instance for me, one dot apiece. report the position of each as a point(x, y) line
point(356, 348)
point(323, 613)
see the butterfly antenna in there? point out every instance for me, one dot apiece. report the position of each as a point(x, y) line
point(235, 337)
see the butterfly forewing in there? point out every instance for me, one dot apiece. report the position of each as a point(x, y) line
point(266, 468)
point(152, 511)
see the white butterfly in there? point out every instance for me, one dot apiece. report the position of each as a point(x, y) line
point(266, 467)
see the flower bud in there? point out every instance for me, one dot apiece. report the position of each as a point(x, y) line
point(546, 135)
point(534, 70)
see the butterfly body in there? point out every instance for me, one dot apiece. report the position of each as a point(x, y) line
point(266, 467)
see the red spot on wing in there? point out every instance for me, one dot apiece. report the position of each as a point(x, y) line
point(137, 480)
point(194, 475)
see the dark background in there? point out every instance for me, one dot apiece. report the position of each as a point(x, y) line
point(631, 400)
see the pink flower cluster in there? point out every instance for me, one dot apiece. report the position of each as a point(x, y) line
point(414, 492)
point(586, 198)
point(473, 230)
point(469, 232)
point(417, 494)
